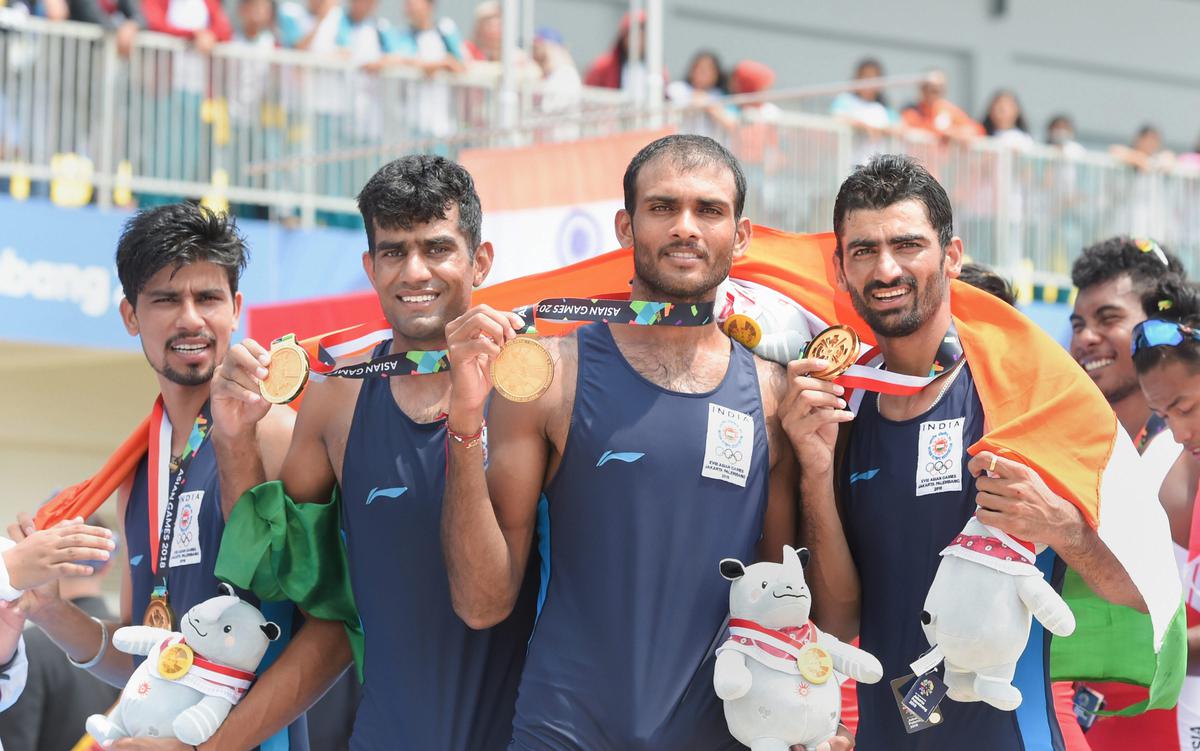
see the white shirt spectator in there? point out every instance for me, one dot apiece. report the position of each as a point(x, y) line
point(863, 111)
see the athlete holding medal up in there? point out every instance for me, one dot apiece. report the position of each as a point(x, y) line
point(430, 682)
point(655, 452)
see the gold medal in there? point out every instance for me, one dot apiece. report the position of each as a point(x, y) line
point(158, 614)
point(815, 664)
point(523, 370)
point(743, 329)
point(175, 661)
point(288, 372)
point(837, 344)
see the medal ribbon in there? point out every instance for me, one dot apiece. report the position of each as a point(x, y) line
point(632, 312)
point(866, 374)
point(211, 678)
point(360, 339)
point(1152, 428)
point(162, 499)
point(775, 642)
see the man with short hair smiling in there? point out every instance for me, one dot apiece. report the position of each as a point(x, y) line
point(876, 548)
point(1112, 277)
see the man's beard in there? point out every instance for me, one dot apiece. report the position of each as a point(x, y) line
point(896, 324)
point(647, 272)
point(193, 376)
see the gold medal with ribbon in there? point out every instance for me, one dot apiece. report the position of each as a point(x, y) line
point(838, 345)
point(815, 663)
point(288, 372)
point(175, 661)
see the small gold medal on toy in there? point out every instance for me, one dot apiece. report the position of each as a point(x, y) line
point(523, 370)
point(288, 372)
point(837, 344)
point(158, 613)
point(815, 664)
point(743, 329)
point(175, 661)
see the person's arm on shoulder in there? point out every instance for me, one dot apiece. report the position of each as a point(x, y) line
point(488, 519)
point(1015, 499)
point(811, 414)
point(779, 521)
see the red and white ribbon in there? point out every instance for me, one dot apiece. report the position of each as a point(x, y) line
point(208, 677)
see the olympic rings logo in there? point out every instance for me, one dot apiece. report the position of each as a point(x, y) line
point(732, 455)
point(939, 466)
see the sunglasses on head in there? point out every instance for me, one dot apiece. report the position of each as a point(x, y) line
point(1155, 332)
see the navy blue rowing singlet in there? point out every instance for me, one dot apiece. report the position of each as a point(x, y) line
point(907, 495)
point(430, 682)
point(621, 657)
point(199, 525)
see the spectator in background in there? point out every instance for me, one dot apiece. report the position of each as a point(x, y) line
point(313, 26)
point(705, 80)
point(981, 277)
point(1146, 153)
point(1192, 158)
point(123, 17)
point(866, 107)
point(934, 113)
point(751, 77)
point(561, 84)
point(1060, 133)
point(202, 21)
point(1005, 121)
point(487, 38)
point(257, 21)
point(427, 42)
point(613, 69)
point(58, 697)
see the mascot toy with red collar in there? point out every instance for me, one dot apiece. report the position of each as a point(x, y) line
point(191, 679)
point(776, 671)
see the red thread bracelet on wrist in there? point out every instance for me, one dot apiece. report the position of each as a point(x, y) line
point(467, 441)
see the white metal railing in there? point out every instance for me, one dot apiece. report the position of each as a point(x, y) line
point(300, 134)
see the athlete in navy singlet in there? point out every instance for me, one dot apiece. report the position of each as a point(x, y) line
point(431, 682)
point(613, 466)
point(179, 267)
point(906, 487)
point(885, 522)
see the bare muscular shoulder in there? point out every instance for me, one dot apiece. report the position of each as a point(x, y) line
point(319, 440)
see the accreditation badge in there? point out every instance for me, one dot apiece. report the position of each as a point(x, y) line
point(939, 456)
point(728, 445)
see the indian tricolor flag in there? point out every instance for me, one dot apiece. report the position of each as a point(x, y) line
point(1040, 409)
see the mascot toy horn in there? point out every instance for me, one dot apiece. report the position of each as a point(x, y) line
point(189, 681)
point(776, 671)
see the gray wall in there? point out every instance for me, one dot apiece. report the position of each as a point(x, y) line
point(1112, 64)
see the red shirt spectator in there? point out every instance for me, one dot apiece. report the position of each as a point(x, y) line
point(202, 20)
point(937, 115)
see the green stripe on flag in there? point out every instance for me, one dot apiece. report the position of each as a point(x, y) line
point(1116, 643)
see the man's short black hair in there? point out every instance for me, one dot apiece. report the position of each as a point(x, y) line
point(981, 277)
point(1171, 298)
point(420, 188)
point(1142, 259)
point(889, 179)
point(176, 235)
point(688, 152)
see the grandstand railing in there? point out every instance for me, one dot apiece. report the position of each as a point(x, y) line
point(298, 134)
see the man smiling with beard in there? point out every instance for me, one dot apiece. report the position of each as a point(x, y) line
point(876, 548)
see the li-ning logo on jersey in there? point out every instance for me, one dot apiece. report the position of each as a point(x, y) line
point(385, 493)
point(856, 476)
point(629, 457)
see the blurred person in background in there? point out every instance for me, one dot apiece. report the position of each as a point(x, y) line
point(614, 69)
point(866, 107)
point(561, 84)
point(204, 22)
point(58, 697)
point(1060, 133)
point(122, 17)
point(1005, 121)
point(486, 40)
point(1146, 153)
point(705, 80)
point(936, 114)
point(426, 42)
point(981, 277)
point(257, 24)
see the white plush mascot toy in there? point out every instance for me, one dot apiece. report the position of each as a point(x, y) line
point(775, 673)
point(977, 613)
point(189, 681)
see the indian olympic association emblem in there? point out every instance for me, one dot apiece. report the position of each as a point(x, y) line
point(939, 448)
